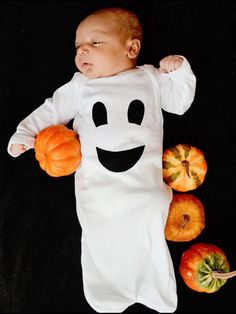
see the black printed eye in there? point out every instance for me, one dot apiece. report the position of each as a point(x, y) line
point(99, 114)
point(136, 111)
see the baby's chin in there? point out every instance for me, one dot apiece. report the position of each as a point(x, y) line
point(93, 74)
point(96, 75)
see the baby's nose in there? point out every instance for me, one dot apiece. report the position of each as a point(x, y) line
point(83, 49)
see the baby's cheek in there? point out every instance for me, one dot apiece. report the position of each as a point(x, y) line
point(77, 62)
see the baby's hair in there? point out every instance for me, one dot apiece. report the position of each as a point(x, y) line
point(127, 21)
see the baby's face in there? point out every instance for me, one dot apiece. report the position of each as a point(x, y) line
point(102, 49)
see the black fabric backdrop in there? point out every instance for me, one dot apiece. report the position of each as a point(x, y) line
point(40, 234)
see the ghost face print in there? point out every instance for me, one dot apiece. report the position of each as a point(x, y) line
point(122, 160)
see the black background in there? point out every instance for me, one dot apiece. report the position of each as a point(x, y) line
point(40, 235)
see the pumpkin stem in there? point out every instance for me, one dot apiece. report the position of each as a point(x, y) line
point(218, 275)
point(185, 164)
point(184, 220)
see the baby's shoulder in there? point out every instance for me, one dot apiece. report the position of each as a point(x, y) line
point(151, 71)
point(79, 79)
point(148, 68)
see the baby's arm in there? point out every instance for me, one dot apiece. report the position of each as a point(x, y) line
point(177, 84)
point(59, 109)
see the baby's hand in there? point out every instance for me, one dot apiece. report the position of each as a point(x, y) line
point(18, 149)
point(170, 63)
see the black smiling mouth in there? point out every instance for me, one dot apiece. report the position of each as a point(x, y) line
point(121, 160)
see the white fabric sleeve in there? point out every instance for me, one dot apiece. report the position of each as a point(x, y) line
point(177, 88)
point(59, 109)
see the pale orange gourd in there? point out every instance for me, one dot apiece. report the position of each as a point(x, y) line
point(57, 149)
point(186, 218)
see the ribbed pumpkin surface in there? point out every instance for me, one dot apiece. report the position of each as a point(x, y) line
point(58, 150)
point(184, 167)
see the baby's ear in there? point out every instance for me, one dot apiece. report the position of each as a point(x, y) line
point(134, 46)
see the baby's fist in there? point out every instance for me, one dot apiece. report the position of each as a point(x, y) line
point(170, 63)
point(18, 149)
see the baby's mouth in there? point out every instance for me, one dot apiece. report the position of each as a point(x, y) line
point(86, 64)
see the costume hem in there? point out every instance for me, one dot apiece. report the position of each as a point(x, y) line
point(139, 300)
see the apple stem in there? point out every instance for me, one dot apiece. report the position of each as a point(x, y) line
point(185, 164)
point(218, 275)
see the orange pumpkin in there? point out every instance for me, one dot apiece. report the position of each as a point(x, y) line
point(58, 150)
point(186, 218)
point(184, 167)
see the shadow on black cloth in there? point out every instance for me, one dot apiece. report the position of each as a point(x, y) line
point(40, 234)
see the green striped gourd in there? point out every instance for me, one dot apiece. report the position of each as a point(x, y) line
point(184, 167)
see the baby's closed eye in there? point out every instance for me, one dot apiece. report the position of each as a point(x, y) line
point(96, 43)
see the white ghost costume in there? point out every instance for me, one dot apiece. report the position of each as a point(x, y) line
point(122, 202)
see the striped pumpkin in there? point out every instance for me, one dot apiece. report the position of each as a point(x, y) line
point(184, 167)
point(204, 267)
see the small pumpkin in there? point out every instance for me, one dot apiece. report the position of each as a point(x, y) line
point(184, 167)
point(57, 149)
point(186, 218)
point(204, 267)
